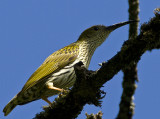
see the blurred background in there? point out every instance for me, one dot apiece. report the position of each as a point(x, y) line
point(31, 30)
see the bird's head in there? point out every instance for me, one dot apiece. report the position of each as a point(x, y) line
point(97, 34)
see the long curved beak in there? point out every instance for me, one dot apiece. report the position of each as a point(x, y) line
point(115, 26)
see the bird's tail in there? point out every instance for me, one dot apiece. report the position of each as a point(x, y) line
point(10, 106)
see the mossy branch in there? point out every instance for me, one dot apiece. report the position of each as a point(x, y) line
point(87, 86)
point(127, 106)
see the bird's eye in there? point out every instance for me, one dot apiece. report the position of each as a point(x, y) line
point(96, 28)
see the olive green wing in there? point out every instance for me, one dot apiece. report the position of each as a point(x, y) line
point(53, 63)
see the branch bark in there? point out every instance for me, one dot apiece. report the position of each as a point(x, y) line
point(86, 89)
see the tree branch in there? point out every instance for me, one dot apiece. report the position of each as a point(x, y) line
point(126, 105)
point(86, 89)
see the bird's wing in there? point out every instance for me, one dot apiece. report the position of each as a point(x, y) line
point(53, 63)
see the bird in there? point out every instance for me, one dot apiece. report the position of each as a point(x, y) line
point(57, 71)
